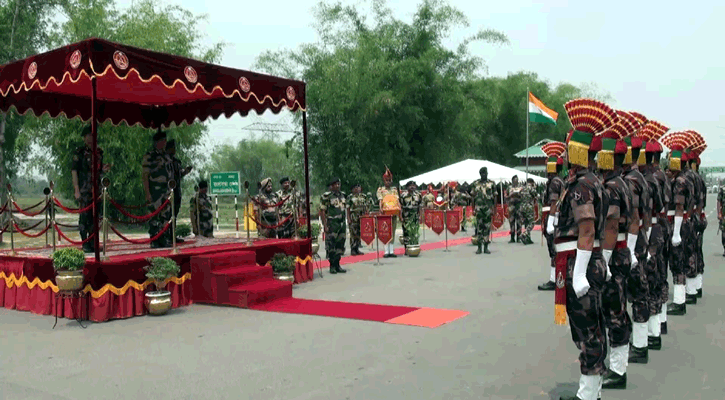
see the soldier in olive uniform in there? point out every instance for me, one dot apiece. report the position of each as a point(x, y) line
point(410, 203)
point(484, 201)
point(157, 172)
point(287, 209)
point(357, 205)
point(514, 200)
point(266, 209)
point(529, 198)
point(200, 212)
point(461, 199)
point(332, 214)
point(83, 185)
point(428, 198)
point(179, 173)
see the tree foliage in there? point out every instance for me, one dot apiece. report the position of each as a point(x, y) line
point(168, 29)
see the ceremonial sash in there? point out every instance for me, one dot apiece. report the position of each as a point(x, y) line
point(565, 249)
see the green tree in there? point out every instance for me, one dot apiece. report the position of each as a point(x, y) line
point(168, 29)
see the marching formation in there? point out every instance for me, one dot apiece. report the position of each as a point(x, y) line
point(615, 226)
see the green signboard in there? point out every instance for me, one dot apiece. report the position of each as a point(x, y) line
point(224, 183)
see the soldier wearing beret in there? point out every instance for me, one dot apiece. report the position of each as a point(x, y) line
point(357, 205)
point(156, 174)
point(292, 196)
point(332, 214)
point(200, 212)
point(179, 173)
point(267, 209)
point(82, 174)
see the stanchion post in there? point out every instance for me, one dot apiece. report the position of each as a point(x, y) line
point(377, 241)
point(46, 192)
point(105, 182)
point(52, 211)
point(11, 221)
point(294, 208)
point(236, 216)
point(445, 224)
point(172, 221)
point(216, 206)
point(247, 212)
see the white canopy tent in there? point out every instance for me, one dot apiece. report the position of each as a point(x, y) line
point(467, 171)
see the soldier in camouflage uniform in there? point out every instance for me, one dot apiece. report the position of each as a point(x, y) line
point(332, 214)
point(428, 198)
point(700, 219)
point(484, 201)
point(514, 200)
point(157, 172)
point(693, 220)
point(200, 212)
point(267, 209)
point(720, 213)
point(529, 198)
point(357, 205)
point(654, 150)
point(582, 214)
point(410, 203)
point(82, 174)
point(287, 209)
point(179, 173)
point(461, 199)
point(554, 189)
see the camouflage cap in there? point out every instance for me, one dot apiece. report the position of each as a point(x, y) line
point(283, 180)
point(333, 181)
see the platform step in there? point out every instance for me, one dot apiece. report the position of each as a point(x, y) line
point(230, 259)
point(260, 291)
point(248, 272)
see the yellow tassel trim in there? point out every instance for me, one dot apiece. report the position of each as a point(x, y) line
point(675, 164)
point(551, 168)
point(641, 160)
point(560, 314)
point(11, 281)
point(578, 154)
point(605, 160)
point(303, 262)
point(628, 156)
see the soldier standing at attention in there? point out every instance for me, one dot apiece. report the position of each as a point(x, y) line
point(484, 201)
point(391, 193)
point(514, 199)
point(179, 173)
point(529, 197)
point(700, 218)
point(332, 214)
point(410, 204)
point(554, 188)
point(82, 174)
point(357, 206)
point(267, 205)
point(287, 209)
point(582, 214)
point(616, 255)
point(200, 212)
point(720, 213)
point(461, 199)
point(157, 172)
point(428, 198)
point(690, 241)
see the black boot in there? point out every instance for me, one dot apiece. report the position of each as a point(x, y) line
point(676, 309)
point(638, 355)
point(654, 343)
point(338, 268)
point(513, 237)
point(663, 328)
point(699, 293)
point(333, 269)
point(485, 249)
point(548, 286)
point(690, 299)
point(358, 252)
point(479, 248)
point(612, 380)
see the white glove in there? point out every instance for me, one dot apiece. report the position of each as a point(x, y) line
point(676, 239)
point(550, 225)
point(631, 243)
point(580, 284)
point(607, 256)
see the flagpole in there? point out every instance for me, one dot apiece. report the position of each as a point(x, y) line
point(527, 133)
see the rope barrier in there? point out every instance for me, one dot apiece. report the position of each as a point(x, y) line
point(29, 208)
point(27, 214)
point(88, 239)
point(72, 210)
point(66, 225)
point(284, 221)
point(34, 226)
point(140, 217)
point(33, 235)
point(272, 205)
point(141, 241)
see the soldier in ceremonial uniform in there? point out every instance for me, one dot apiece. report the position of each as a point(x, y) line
point(179, 173)
point(410, 203)
point(682, 198)
point(157, 171)
point(428, 198)
point(357, 205)
point(287, 209)
point(484, 201)
point(529, 198)
point(616, 254)
point(82, 174)
point(332, 213)
point(200, 212)
point(554, 189)
point(514, 200)
point(582, 213)
point(693, 212)
point(267, 209)
point(721, 213)
point(700, 218)
point(392, 191)
point(638, 287)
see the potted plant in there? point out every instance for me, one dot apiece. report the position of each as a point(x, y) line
point(412, 247)
point(183, 230)
point(68, 263)
point(283, 266)
point(159, 270)
point(315, 234)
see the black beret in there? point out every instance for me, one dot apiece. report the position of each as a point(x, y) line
point(283, 180)
point(160, 135)
point(203, 185)
point(410, 183)
point(171, 144)
point(333, 181)
point(355, 185)
point(483, 169)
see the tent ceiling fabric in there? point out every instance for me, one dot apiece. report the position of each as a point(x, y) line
point(139, 86)
point(467, 171)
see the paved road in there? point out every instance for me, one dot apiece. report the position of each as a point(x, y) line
point(507, 348)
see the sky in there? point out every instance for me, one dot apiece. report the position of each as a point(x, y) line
point(661, 59)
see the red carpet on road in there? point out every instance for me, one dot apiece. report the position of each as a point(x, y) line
point(414, 316)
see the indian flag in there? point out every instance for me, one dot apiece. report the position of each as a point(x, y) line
point(538, 112)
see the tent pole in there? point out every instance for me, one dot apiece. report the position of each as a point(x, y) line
point(94, 145)
point(307, 174)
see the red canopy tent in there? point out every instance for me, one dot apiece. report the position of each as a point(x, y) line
point(103, 81)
